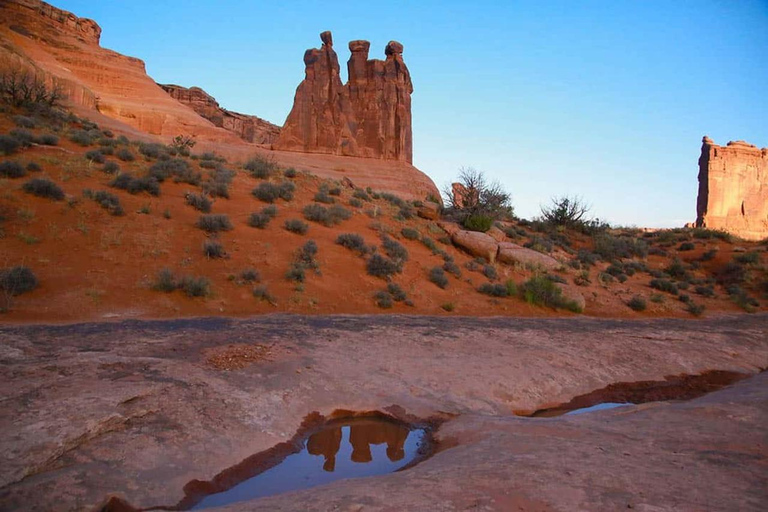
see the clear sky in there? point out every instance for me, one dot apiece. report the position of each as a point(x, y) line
point(603, 99)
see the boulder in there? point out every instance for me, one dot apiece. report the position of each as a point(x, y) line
point(572, 294)
point(511, 253)
point(449, 227)
point(496, 234)
point(476, 244)
point(429, 210)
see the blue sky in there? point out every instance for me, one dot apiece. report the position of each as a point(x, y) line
point(603, 99)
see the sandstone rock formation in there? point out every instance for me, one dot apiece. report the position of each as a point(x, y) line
point(249, 128)
point(476, 244)
point(369, 117)
point(733, 189)
point(512, 253)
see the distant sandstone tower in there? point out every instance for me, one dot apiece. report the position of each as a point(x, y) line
point(733, 189)
point(369, 117)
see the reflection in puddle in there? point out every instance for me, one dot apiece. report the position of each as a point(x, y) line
point(342, 449)
point(598, 407)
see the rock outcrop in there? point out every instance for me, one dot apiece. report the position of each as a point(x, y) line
point(733, 189)
point(369, 117)
point(249, 128)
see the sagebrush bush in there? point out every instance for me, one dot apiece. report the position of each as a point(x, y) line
point(213, 249)
point(153, 150)
point(195, 286)
point(490, 272)
point(383, 299)
point(42, 187)
point(610, 247)
point(322, 195)
point(353, 242)
point(732, 273)
point(541, 291)
point(290, 173)
point(95, 156)
point(397, 293)
point(296, 273)
point(177, 168)
point(261, 292)
point(452, 268)
point(747, 258)
point(394, 250)
point(199, 202)
point(111, 168)
point(250, 275)
point(296, 226)
point(330, 216)
point(24, 122)
point(218, 182)
point(33, 167)
point(11, 169)
point(259, 220)
point(49, 139)
point(637, 303)
point(664, 285)
point(109, 202)
point(17, 280)
point(410, 233)
point(25, 137)
point(478, 222)
point(81, 137)
point(8, 145)
point(438, 277)
point(214, 222)
point(686, 246)
point(494, 290)
point(270, 192)
point(381, 266)
point(125, 154)
point(361, 194)
point(706, 291)
point(134, 185)
point(261, 167)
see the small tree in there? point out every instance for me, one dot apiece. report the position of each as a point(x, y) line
point(22, 87)
point(474, 196)
point(183, 144)
point(566, 211)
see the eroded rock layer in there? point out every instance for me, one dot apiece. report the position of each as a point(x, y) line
point(733, 189)
point(370, 116)
point(249, 128)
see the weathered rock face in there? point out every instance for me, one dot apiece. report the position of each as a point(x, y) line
point(249, 128)
point(512, 253)
point(733, 189)
point(369, 117)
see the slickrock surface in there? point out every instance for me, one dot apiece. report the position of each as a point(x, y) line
point(733, 189)
point(249, 128)
point(141, 408)
point(370, 116)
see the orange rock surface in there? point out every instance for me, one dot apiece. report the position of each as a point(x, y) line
point(733, 189)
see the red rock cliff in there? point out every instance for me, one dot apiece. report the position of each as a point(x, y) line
point(733, 189)
point(249, 128)
point(369, 117)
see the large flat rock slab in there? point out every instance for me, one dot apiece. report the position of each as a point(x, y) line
point(142, 408)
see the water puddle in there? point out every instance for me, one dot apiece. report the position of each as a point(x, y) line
point(622, 394)
point(319, 454)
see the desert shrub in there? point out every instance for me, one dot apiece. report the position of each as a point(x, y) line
point(8, 145)
point(125, 154)
point(213, 249)
point(195, 286)
point(566, 212)
point(741, 299)
point(296, 273)
point(582, 279)
point(731, 273)
point(95, 156)
point(208, 164)
point(677, 270)
point(539, 244)
point(17, 280)
point(107, 150)
point(686, 246)
point(637, 303)
point(541, 291)
point(165, 281)
point(218, 182)
point(657, 251)
point(250, 275)
point(394, 250)
point(709, 255)
point(494, 290)
point(489, 271)
point(429, 244)
point(153, 150)
point(410, 233)
point(261, 167)
point(305, 256)
point(452, 268)
point(182, 144)
point(381, 266)
point(296, 226)
point(10, 169)
point(611, 247)
point(109, 202)
point(478, 222)
point(261, 219)
point(199, 202)
point(326, 216)
point(177, 168)
point(81, 137)
point(33, 167)
point(290, 173)
point(355, 203)
point(383, 299)
point(111, 168)
point(747, 258)
point(706, 291)
point(214, 222)
point(262, 293)
point(437, 276)
point(477, 196)
point(48, 139)
point(42, 187)
point(133, 185)
point(353, 242)
point(361, 194)
point(24, 122)
point(705, 233)
point(693, 308)
point(664, 285)
point(24, 137)
point(270, 192)
point(323, 196)
point(397, 293)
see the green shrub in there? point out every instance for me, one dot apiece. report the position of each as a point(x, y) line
point(637, 303)
point(296, 273)
point(95, 156)
point(677, 270)
point(741, 299)
point(704, 233)
point(494, 290)
point(353, 242)
point(694, 309)
point(383, 299)
point(381, 266)
point(133, 185)
point(541, 291)
point(686, 246)
point(610, 247)
point(355, 203)
point(17, 280)
point(361, 194)
point(732, 273)
point(290, 173)
point(261, 167)
point(478, 222)
point(214, 222)
point(437, 276)
point(42, 187)
point(111, 168)
point(213, 249)
point(165, 281)
point(706, 291)
point(664, 285)
point(109, 202)
point(9, 169)
point(397, 293)
point(8, 145)
point(125, 154)
point(410, 233)
point(262, 293)
point(296, 226)
point(747, 258)
point(269, 192)
point(199, 202)
point(195, 286)
point(709, 255)
point(49, 139)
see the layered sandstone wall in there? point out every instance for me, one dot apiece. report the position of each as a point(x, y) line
point(249, 128)
point(733, 189)
point(369, 117)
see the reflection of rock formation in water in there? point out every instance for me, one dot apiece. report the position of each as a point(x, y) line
point(361, 436)
point(326, 443)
